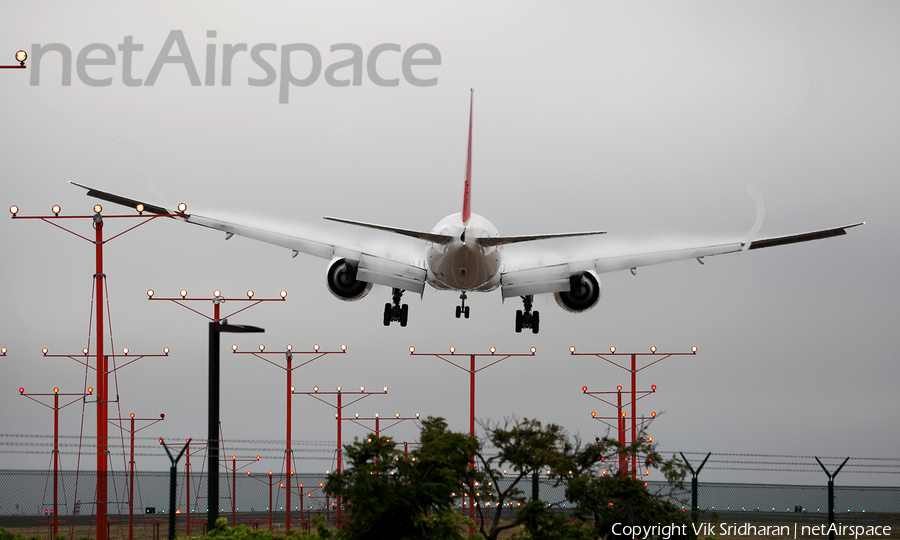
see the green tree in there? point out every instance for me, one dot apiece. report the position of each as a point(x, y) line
point(396, 496)
point(605, 495)
point(522, 447)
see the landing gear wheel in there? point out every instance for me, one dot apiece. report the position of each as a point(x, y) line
point(393, 311)
point(519, 321)
point(458, 312)
point(527, 319)
point(387, 314)
point(535, 322)
point(466, 312)
point(404, 314)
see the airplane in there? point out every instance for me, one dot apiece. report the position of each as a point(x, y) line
point(464, 253)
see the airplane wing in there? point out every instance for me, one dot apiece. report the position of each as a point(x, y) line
point(556, 277)
point(371, 267)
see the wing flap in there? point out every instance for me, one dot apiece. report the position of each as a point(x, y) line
point(390, 273)
point(545, 279)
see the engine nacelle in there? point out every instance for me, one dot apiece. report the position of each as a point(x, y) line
point(583, 294)
point(342, 281)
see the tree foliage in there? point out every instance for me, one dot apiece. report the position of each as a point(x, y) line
point(394, 495)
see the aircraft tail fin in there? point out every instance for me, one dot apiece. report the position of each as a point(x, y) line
point(467, 193)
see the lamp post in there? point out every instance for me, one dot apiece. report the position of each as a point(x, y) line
point(288, 369)
point(97, 220)
point(495, 359)
point(234, 470)
point(217, 325)
point(54, 520)
point(173, 472)
point(21, 56)
point(131, 432)
point(659, 357)
point(339, 392)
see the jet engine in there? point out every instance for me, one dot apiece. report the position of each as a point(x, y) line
point(584, 293)
point(342, 281)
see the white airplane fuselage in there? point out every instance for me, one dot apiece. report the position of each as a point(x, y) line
point(461, 264)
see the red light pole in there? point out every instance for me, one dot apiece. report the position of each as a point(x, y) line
point(357, 419)
point(339, 407)
point(472, 371)
point(620, 418)
point(54, 520)
point(132, 431)
point(234, 470)
point(21, 56)
point(217, 325)
point(288, 368)
point(634, 370)
point(101, 367)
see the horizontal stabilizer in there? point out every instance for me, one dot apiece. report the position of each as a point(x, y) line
point(503, 240)
point(428, 237)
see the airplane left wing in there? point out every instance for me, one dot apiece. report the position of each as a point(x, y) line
point(556, 278)
point(371, 268)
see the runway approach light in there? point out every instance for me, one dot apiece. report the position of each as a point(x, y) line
point(250, 294)
point(283, 294)
point(316, 348)
point(217, 293)
point(572, 349)
point(84, 350)
point(150, 293)
point(165, 350)
point(619, 388)
point(612, 350)
point(694, 350)
point(493, 350)
point(362, 388)
point(315, 388)
point(385, 389)
point(44, 350)
point(125, 351)
point(55, 209)
point(234, 347)
point(412, 350)
point(182, 208)
point(452, 350)
point(289, 347)
point(183, 293)
point(533, 350)
point(584, 388)
point(262, 347)
point(14, 210)
point(21, 56)
point(417, 415)
point(653, 349)
point(343, 347)
point(139, 208)
point(97, 208)
point(338, 388)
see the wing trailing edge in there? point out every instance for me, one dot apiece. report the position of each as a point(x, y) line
point(428, 237)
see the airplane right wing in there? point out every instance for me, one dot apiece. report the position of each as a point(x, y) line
point(372, 268)
point(557, 277)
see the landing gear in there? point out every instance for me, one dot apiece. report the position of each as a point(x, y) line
point(394, 311)
point(527, 319)
point(462, 309)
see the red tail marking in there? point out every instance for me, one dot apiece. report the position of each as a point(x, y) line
point(467, 193)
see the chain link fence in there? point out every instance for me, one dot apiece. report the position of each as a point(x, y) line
point(26, 502)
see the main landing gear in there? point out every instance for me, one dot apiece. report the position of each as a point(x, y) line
point(394, 312)
point(528, 319)
point(462, 309)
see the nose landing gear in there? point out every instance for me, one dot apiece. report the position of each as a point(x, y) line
point(527, 319)
point(394, 312)
point(462, 309)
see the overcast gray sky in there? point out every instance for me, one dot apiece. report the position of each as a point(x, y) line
point(646, 120)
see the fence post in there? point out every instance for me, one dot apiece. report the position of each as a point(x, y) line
point(695, 489)
point(831, 494)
